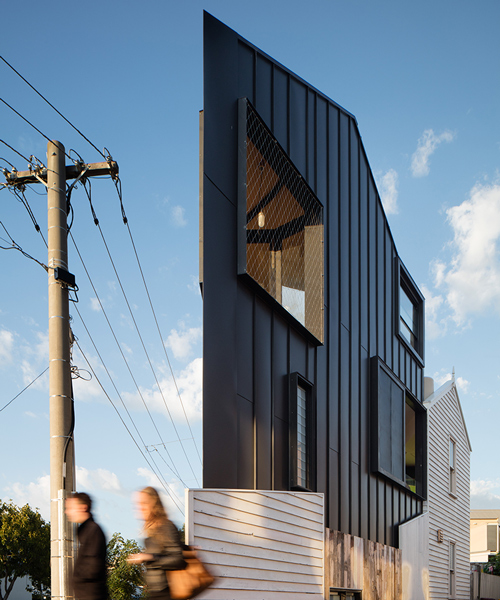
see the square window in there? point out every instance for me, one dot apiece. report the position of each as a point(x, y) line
point(280, 225)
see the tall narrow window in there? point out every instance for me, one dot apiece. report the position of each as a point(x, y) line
point(301, 437)
point(408, 318)
point(452, 570)
point(302, 446)
point(410, 313)
point(410, 437)
point(453, 472)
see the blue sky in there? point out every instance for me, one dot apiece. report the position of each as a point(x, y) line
point(422, 80)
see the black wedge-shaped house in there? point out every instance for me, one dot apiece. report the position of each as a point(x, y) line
point(313, 345)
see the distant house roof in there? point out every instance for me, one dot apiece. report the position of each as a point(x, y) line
point(487, 513)
point(440, 393)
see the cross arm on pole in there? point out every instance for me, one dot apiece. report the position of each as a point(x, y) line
point(19, 178)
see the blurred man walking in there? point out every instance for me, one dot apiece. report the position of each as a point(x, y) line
point(89, 573)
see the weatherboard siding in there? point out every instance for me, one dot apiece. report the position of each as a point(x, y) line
point(259, 542)
point(447, 512)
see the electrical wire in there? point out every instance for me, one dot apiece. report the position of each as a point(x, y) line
point(52, 106)
point(30, 124)
point(121, 350)
point(116, 390)
point(19, 193)
point(125, 221)
point(25, 119)
point(162, 482)
point(15, 246)
point(23, 390)
point(96, 221)
point(14, 150)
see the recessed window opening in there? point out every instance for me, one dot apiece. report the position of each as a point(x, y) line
point(301, 437)
point(283, 225)
point(410, 437)
point(452, 569)
point(410, 313)
point(453, 476)
point(407, 313)
point(302, 433)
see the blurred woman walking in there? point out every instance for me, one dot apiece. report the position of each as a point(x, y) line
point(162, 542)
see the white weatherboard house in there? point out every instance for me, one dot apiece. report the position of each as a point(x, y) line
point(441, 535)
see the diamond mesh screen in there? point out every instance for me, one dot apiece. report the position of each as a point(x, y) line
point(284, 228)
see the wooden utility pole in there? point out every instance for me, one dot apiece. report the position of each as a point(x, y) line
point(62, 455)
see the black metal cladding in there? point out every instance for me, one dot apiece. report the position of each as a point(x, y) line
point(251, 348)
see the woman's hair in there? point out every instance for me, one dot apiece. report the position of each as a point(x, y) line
point(158, 515)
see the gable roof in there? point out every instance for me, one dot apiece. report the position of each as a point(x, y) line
point(439, 394)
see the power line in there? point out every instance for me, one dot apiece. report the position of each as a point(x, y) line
point(162, 482)
point(141, 339)
point(125, 220)
point(116, 389)
point(14, 150)
point(120, 350)
point(52, 106)
point(23, 390)
point(15, 246)
point(25, 119)
point(19, 193)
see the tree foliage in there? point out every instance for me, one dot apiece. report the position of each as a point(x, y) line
point(24, 549)
point(493, 565)
point(125, 581)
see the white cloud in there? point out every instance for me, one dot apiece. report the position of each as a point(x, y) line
point(442, 377)
point(434, 325)
point(36, 494)
point(98, 479)
point(189, 384)
point(426, 146)
point(482, 493)
point(194, 285)
point(6, 346)
point(388, 189)
point(95, 304)
point(472, 278)
point(178, 217)
point(181, 342)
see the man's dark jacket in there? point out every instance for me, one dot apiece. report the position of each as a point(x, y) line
point(89, 574)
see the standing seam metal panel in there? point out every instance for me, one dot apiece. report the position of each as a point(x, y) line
point(359, 282)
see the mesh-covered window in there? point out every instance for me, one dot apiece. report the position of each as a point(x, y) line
point(282, 225)
point(302, 437)
point(302, 457)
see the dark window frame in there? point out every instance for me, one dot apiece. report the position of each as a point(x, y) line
point(404, 281)
point(377, 420)
point(296, 380)
point(244, 106)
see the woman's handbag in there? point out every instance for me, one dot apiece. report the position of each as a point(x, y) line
point(191, 581)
